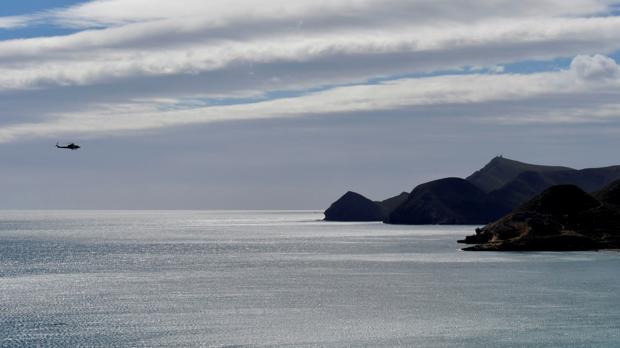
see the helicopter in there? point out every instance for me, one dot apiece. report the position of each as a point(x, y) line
point(71, 146)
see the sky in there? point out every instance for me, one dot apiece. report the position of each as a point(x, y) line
point(242, 104)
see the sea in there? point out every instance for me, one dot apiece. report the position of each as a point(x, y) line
point(287, 279)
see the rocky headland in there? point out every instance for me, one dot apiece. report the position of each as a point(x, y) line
point(353, 206)
point(561, 218)
point(485, 196)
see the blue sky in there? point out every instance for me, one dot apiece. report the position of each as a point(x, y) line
point(24, 7)
point(223, 104)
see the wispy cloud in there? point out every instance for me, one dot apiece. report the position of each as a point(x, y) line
point(130, 51)
point(472, 93)
point(91, 57)
point(106, 13)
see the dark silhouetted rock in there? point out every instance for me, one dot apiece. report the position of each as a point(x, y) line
point(390, 204)
point(485, 196)
point(500, 171)
point(355, 207)
point(518, 191)
point(562, 218)
point(445, 201)
point(594, 179)
point(560, 200)
point(452, 201)
point(528, 184)
point(610, 194)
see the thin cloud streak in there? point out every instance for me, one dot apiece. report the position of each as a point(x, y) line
point(547, 38)
point(588, 75)
point(107, 13)
point(304, 45)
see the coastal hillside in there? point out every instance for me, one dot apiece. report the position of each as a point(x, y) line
point(500, 171)
point(530, 183)
point(490, 193)
point(391, 204)
point(610, 194)
point(562, 218)
point(454, 203)
point(353, 206)
point(451, 201)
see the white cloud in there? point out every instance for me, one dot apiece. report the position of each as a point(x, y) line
point(14, 22)
point(599, 114)
point(595, 67)
point(239, 48)
point(101, 13)
point(470, 92)
point(83, 59)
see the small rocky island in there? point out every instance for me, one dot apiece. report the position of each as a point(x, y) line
point(562, 218)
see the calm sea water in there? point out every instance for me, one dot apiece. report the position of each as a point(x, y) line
point(285, 279)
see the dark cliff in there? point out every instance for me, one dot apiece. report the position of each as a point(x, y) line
point(562, 218)
point(445, 201)
point(453, 201)
point(501, 171)
point(355, 207)
point(490, 193)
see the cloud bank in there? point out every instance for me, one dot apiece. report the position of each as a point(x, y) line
point(138, 64)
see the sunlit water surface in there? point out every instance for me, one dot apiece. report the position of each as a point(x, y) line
point(286, 279)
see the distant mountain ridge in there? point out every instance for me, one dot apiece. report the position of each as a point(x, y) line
point(528, 184)
point(491, 192)
point(500, 171)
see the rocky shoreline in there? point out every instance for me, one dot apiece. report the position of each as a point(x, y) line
point(562, 218)
point(525, 207)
